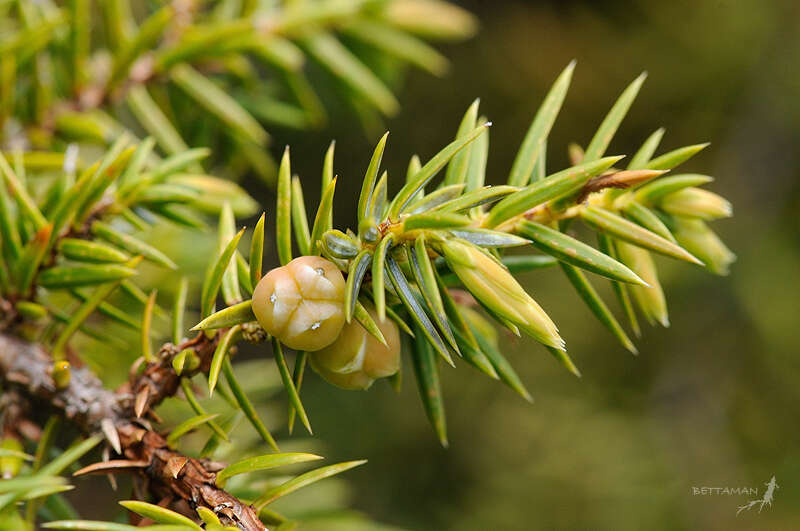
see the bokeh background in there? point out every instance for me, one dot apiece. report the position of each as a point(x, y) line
point(712, 401)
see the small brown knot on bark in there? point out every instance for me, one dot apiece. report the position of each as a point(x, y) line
point(168, 351)
point(254, 333)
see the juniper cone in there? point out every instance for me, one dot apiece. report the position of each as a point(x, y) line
point(98, 119)
point(302, 303)
point(356, 359)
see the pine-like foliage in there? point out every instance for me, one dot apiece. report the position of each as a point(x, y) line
point(416, 255)
point(214, 74)
point(439, 258)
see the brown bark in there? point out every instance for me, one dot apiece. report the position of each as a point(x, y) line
point(185, 482)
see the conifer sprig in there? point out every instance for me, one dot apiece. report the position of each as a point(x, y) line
point(75, 239)
point(438, 261)
point(239, 68)
point(416, 254)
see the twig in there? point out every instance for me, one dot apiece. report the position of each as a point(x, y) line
point(187, 482)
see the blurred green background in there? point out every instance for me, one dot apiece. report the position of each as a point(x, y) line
point(713, 401)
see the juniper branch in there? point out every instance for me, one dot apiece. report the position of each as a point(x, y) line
point(186, 482)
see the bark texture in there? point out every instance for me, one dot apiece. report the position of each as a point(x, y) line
point(181, 482)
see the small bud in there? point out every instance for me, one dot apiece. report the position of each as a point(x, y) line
point(31, 310)
point(302, 303)
point(61, 374)
point(695, 236)
point(575, 153)
point(186, 359)
point(10, 465)
point(495, 287)
point(369, 231)
point(254, 333)
point(357, 358)
point(650, 300)
point(696, 203)
point(339, 244)
point(192, 359)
